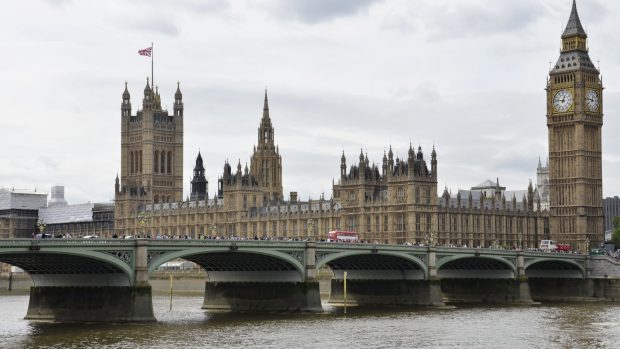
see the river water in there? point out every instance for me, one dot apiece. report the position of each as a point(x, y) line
point(560, 325)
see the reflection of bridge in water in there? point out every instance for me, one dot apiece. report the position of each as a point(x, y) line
point(107, 280)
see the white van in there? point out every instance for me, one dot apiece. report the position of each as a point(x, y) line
point(548, 245)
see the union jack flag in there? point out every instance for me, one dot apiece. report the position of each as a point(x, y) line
point(146, 51)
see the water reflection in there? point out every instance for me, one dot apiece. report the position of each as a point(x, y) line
point(561, 325)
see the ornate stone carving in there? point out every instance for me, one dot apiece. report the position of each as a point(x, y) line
point(125, 256)
point(298, 255)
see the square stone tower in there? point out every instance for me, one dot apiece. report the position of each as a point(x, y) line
point(151, 156)
point(574, 121)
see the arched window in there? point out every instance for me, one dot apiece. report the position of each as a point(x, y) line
point(135, 159)
point(168, 199)
point(140, 162)
point(131, 161)
point(169, 162)
point(162, 162)
point(156, 162)
point(156, 199)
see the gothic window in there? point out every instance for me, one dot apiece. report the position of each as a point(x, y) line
point(417, 195)
point(140, 162)
point(400, 222)
point(400, 194)
point(169, 162)
point(245, 201)
point(131, 160)
point(429, 223)
point(168, 199)
point(385, 223)
point(428, 196)
point(162, 162)
point(368, 224)
point(156, 162)
point(350, 223)
point(417, 222)
point(156, 199)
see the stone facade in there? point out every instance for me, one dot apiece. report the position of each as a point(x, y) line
point(542, 184)
point(574, 121)
point(151, 155)
point(396, 202)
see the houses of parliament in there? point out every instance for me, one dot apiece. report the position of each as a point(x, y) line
point(395, 202)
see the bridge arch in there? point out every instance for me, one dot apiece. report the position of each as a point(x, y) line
point(476, 267)
point(72, 267)
point(406, 265)
point(239, 265)
point(553, 268)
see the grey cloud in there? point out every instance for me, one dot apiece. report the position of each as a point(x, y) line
point(315, 11)
point(200, 6)
point(155, 25)
point(462, 19)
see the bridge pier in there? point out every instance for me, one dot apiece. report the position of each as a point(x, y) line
point(265, 291)
point(387, 292)
point(490, 290)
point(486, 291)
point(84, 296)
point(262, 296)
point(91, 304)
point(562, 289)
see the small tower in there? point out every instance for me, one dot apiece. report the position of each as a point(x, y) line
point(343, 167)
point(199, 183)
point(126, 103)
point(434, 163)
point(178, 102)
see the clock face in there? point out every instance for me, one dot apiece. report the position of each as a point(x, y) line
point(562, 100)
point(592, 100)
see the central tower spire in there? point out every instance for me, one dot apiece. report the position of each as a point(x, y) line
point(266, 162)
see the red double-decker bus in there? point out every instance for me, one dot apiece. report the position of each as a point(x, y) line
point(342, 236)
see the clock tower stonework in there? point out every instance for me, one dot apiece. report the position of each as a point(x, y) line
point(574, 121)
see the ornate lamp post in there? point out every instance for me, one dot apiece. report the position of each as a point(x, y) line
point(310, 228)
point(41, 226)
point(141, 223)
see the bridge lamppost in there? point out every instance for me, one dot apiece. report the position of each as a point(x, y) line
point(41, 226)
point(587, 246)
point(141, 223)
point(310, 228)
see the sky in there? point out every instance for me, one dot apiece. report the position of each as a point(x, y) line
point(466, 76)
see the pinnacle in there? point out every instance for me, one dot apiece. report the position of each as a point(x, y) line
point(574, 27)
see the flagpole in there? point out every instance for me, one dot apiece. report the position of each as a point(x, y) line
point(152, 79)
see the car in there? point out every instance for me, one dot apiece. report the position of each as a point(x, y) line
point(90, 237)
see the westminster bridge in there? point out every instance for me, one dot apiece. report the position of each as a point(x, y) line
point(107, 280)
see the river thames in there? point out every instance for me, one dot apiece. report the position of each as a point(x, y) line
point(558, 325)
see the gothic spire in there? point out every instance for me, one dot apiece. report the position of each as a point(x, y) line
point(574, 27)
point(199, 162)
point(147, 88)
point(266, 108)
point(178, 95)
point(126, 92)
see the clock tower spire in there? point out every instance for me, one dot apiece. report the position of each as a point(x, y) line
point(574, 122)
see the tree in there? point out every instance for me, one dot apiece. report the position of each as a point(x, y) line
point(615, 236)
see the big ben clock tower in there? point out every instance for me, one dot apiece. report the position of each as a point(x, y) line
point(574, 122)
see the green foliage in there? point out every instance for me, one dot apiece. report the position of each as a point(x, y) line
point(615, 236)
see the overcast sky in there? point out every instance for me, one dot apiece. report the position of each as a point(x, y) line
point(466, 76)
